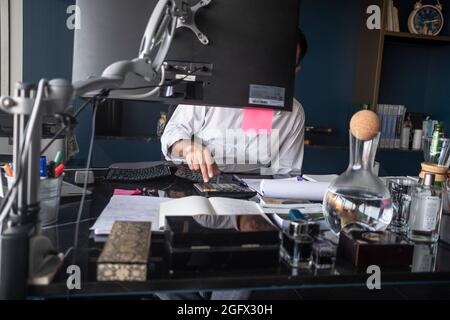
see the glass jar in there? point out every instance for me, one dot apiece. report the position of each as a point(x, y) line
point(401, 190)
point(358, 199)
point(426, 211)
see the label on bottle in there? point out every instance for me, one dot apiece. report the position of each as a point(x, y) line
point(426, 214)
point(436, 144)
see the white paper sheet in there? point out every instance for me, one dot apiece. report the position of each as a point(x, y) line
point(128, 208)
point(298, 190)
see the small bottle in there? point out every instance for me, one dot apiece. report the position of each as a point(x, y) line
point(162, 122)
point(436, 143)
point(426, 211)
point(406, 133)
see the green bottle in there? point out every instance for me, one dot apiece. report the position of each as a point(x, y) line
point(436, 143)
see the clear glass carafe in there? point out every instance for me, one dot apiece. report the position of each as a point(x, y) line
point(358, 199)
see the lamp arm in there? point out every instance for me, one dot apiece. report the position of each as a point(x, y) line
point(155, 45)
point(114, 76)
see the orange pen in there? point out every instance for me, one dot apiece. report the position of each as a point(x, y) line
point(8, 170)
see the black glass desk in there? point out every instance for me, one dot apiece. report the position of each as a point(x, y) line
point(432, 270)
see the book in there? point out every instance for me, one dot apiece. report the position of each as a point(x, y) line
point(381, 112)
point(392, 125)
point(390, 20)
point(154, 210)
point(396, 23)
point(401, 112)
point(392, 119)
point(196, 206)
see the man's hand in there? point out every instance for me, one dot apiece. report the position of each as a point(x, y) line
point(198, 158)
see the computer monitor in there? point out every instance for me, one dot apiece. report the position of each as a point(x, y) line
point(249, 61)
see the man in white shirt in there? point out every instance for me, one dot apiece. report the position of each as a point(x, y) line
point(212, 140)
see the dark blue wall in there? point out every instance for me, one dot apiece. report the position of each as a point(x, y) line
point(324, 86)
point(48, 44)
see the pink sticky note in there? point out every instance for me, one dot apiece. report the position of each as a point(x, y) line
point(120, 192)
point(258, 120)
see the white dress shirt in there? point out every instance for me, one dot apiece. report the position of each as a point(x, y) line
point(216, 127)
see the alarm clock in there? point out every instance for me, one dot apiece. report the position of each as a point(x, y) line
point(426, 19)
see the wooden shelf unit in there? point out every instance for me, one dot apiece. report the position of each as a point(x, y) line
point(371, 52)
point(416, 38)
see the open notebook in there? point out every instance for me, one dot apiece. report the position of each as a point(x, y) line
point(194, 206)
point(127, 208)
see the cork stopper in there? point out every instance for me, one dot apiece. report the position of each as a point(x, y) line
point(365, 125)
point(440, 172)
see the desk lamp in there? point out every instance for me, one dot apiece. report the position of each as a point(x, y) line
point(24, 252)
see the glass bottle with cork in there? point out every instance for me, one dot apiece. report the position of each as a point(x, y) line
point(358, 199)
point(428, 200)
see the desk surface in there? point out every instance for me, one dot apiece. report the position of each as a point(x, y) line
point(161, 280)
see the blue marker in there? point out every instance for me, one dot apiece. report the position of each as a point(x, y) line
point(43, 167)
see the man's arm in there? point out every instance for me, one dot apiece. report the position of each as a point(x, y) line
point(186, 121)
point(178, 144)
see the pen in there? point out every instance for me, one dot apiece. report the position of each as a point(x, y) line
point(43, 166)
point(59, 170)
point(242, 183)
point(58, 158)
point(51, 169)
point(8, 170)
point(235, 178)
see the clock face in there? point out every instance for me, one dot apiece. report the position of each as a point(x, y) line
point(428, 20)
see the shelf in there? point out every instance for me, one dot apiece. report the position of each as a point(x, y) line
point(130, 138)
point(340, 147)
point(399, 150)
point(404, 37)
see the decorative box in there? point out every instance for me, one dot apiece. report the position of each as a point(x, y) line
point(126, 253)
point(383, 249)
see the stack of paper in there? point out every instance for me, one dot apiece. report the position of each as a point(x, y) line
point(303, 190)
point(126, 208)
point(311, 188)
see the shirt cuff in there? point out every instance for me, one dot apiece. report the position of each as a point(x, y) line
point(168, 142)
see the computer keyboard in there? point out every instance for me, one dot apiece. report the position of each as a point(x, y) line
point(193, 176)
point(226, 190)
point(185, 173)
point(138, 175)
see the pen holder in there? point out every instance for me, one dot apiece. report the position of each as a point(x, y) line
point(50, 195)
